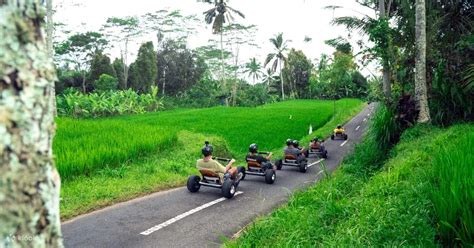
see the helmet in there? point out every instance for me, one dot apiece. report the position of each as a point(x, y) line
point(296, 143)
point(289, 142)
point(315, 139)
point(339, 126)
point(207, 149)
point(253, 148)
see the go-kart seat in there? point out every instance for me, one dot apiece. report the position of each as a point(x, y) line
point(253, 163)
point(290, 157)
point(210, 175)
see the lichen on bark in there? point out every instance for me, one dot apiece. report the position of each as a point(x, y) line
point(29, 184)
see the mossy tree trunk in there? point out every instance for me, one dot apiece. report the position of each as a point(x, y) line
point(421, 94)
point(29, 183)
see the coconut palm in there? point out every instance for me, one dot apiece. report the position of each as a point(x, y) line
point(278, 57)
point(218, 15)
point(253, 68)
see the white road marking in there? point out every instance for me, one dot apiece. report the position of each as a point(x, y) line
point(357, 128)
point(183, 215)
point(343, 143)
point(365, 119)
point(315, 162)
point(368, 114)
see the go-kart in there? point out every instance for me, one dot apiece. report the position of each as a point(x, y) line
point(261, 169)
point(339, 135)
point(293, 160)
point(227, 184)
point(318, 150)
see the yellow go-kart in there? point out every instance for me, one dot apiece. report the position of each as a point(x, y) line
point(339, 133)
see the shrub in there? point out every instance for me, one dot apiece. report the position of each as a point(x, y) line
point(105, 83)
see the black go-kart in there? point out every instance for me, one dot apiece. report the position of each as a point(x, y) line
point(261, 169)
point(318, 150)
point(292, 160)
point(227, 184)
point(339, 135)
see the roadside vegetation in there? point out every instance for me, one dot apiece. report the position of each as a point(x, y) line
point(109, 160)
point(418, 196)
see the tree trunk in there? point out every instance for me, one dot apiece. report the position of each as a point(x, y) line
point(84, 81)
point(421, 94)
point(281, 79)
point(387, 89)
point(29, 183)
point(125, 66)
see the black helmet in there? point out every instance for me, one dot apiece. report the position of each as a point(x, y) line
point(207, 149)
point(289, 142)
point(296, 143)
point(315, 139)
point(339, 126)
point(253, 148)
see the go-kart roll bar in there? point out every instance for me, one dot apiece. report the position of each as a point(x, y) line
point(265, 153)
point(222, 159)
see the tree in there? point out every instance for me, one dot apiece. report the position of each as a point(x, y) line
point(421, 94)
point(105, 83)
point(296, 72)
point(217, 16)
point(145, 68)
point(123, 31)
point(278, 57)
point(29, 182)
point(79, 49)
point(253, 69)
point(100, 65)
point(118, 66)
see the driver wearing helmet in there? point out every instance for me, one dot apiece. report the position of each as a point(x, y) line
point(291, 149)
point(296, 144)
point(339, 129)
point(210, 164)
point(253, 155)
point(315, 143)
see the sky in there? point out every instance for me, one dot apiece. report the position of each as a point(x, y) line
point(296, 19)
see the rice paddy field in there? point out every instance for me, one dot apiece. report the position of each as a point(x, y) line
point(108, 160)
point(421, 197)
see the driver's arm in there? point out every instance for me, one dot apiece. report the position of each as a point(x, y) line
point(269, 156)
point(229, 165)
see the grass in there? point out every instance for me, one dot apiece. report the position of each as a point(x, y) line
point(111, 160)
point(395, 206)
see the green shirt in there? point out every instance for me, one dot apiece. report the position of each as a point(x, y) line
point(210, 165)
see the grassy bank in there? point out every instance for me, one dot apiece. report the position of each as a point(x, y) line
point(406, 203)
point(164, 151)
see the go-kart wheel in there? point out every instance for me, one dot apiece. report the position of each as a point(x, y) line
point(193, 183)
point(325, 154)
point(241, 169)
point(332, 136)
point(279, 164)
point(270, 176)
point(303, 166)
point(345, 136)
point(228, 188)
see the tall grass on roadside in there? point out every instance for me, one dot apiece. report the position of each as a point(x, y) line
point(453, 197)
point(372, 152)
point(82, 147)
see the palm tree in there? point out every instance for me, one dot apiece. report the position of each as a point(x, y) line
point(253, 68)
point(268, 78)
point(421, 94)
point(218, 15)
point(278, 57)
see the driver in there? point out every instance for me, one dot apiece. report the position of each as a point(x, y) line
point(253, 155)
point(339, 129)
point(291, 149)
point(315, 144)
point(210, 164)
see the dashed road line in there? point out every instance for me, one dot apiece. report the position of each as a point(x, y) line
point(365, 119)
point(318, 161)
point(357, 128)
point(183, 215)
point(343, 143)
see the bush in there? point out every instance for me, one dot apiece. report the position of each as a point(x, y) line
point(105, 82)
point(107, 103)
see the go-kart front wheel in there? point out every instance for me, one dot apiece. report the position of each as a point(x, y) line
point(228, 188)
point(303, 166)
point(270, 176)
point(279, 164)
point(241, 170)
point(325, 154)
point(345, 136)
point(332, 136)
point(193, 183)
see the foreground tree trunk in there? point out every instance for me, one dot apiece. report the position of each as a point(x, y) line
point(421, 94)
point(29, 183)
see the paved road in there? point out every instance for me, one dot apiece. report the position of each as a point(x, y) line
point(177, 218)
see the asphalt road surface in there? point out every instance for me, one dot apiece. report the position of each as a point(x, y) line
point(178, 218)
